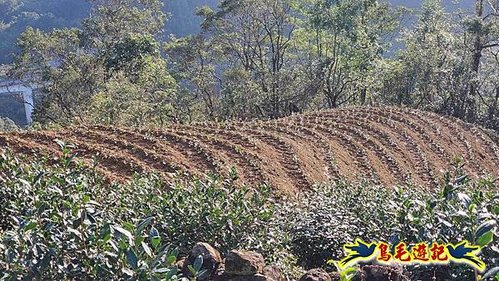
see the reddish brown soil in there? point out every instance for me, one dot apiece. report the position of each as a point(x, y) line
point(387, 146)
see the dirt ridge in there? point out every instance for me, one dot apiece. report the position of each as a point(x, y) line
point(385, 145)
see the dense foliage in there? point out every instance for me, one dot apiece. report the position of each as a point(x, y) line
point(262, 59)
point(267, 59)
point(7, 125)
point(335, 215)
point(17, 15)
point(109, 70)
point(61, 221)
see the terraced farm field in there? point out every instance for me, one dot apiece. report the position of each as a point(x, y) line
point(383, 145)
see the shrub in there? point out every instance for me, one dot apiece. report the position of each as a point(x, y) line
point(57, 229)
point(7, 125)
point(336, 214)
point(213, 210)
point(333, 215)
point(61, 221)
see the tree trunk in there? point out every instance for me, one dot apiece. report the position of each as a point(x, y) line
point(493, 109)
point(475, 64)
point(363, 93)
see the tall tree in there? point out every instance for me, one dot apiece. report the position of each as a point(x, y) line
point(430, 63)
point(193, 61)
point(81, 70)
point(345, 43)
point(483, 29)
point(255, 37)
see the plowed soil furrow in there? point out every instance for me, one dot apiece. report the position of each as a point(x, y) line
point(494, 139)
point(373, 154)
point(280, 129)
point(381, 145)
point(142, 150)
point(287, 158)
point(120, 165)
point(415, 144)
point(312, 136)
point(247, 163)
point(491, 150)
point(365, 122)
point(384, 149)
point(390, 167)
point(26, 145)
point(466, 150)
point(175, 160)
point(422, 129)
point(305, 150)
point(147, 160)
point(357, 155)
point(380, 134)
point(191, 149)
point(413, 128)
point(429, 135)
point(228, 133)
point(422, 170)
point(478, 146)
point(32, 144)
point(31, 149)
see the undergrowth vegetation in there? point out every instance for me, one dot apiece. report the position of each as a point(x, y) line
point(62, 221)
point(334, 215)
point(7, 125)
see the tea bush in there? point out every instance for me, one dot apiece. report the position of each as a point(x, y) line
point(61, 221)
point(214, 210)
point(333, 215)
point(55, 228)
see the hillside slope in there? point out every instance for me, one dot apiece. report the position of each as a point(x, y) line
point(383, 145)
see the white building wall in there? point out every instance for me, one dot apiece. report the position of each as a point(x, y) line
point(27, 94)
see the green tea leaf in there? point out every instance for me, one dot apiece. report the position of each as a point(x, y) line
point(30, 226)
point(156, 241)
point(131, 258)
point(125, 232)
point(146, 249)
point(143, 224)
point(485, 239)
point(485, 227)
point(198, 263)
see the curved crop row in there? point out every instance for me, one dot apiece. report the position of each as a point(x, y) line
point(382, 145)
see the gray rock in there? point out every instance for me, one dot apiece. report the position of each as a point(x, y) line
point(244, 263)
point(211, 260)
point(274, 273)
